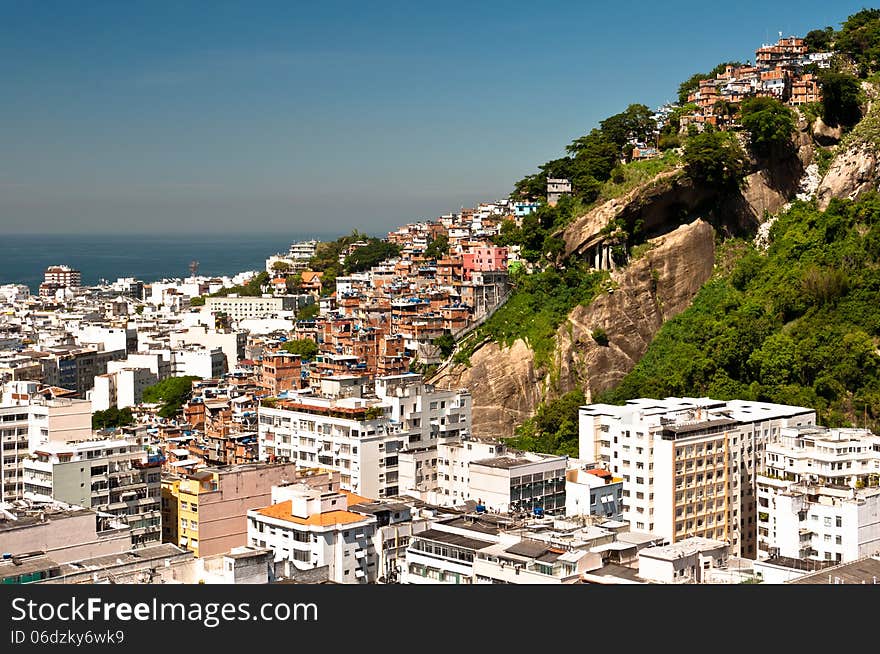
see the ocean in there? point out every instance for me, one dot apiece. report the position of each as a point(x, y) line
point(24, 258)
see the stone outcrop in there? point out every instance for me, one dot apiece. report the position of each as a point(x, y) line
point(504, 383)
point(852, 173)
point(669, 195)
point(825, 134)
point(650, 290)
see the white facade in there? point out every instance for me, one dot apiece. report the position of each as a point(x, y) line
point(109, 338)
point(122, 388)
point(360, 437)
point(819, 496)
point(204, 363)
point(688, 464)
point(687, 561)
point(231, 343)
point(525, 482)
point(243, 307)
point(440, 475)
point(312, 529)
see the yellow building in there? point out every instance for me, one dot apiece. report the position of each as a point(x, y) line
point(170, 524)
point(206, 511)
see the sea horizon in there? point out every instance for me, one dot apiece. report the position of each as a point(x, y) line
point(148, 257)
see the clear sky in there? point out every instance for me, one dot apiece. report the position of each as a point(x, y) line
point(325, 116)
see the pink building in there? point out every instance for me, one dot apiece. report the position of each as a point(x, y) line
point(484, 259)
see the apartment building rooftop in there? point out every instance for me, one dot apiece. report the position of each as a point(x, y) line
point(50, 514)
point(687, 547)
point(508, 462)
point(457, 540)
point(863, 571)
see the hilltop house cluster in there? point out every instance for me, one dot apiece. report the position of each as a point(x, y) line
point(779, 71)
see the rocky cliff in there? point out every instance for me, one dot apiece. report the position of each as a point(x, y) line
point(852, 173)
point(505, 385)
point(683, 221)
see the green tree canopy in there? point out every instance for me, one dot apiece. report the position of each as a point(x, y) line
point(633, 124)
point(373, 253)
point(305, 347)
point(819, 40)
point(859, 38)
point(769, 123)
point(715, 158)
point(840, 98)
point(171, 393)
point(112, 417)
point(438, 248)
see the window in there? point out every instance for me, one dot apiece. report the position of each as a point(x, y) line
point(839, 521)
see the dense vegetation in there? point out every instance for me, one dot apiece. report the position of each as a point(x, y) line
point(797, 325)
point(539, 303)
point(171, 393)
point(438, 248)
point(715, 159)
point(305, 347)
point(553, 428)
point(328, 254)
point(769, 124)
point(111, 418)
point(592, 158)
point(253, 287)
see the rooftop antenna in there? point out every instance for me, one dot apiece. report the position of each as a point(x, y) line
point(193, 267)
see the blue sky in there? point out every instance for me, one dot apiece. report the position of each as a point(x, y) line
point(275, 117)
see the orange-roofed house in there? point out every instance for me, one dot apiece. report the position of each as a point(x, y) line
point(591, 490)
point(311, 282)
point(308, 528)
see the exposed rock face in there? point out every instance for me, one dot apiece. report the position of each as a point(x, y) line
point(670, 195)
point(852, 173)
point(652, 289)
point(505, 386)
point(825, 134)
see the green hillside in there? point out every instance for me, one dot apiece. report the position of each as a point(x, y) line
point(798, 324)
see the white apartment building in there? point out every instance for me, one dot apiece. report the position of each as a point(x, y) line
point(396, 524)
point(116, 475)
point(689, 561)
point(122, 388)
point(439, 474)
point(109, 338)
point(265, 306)
point(524, 482)
point(198, 362)
point(313, 528)
point(445, 553)
point(819, 495)
point(232, 343)
point(688, 464)
point(303, 250)
point(360, 431)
